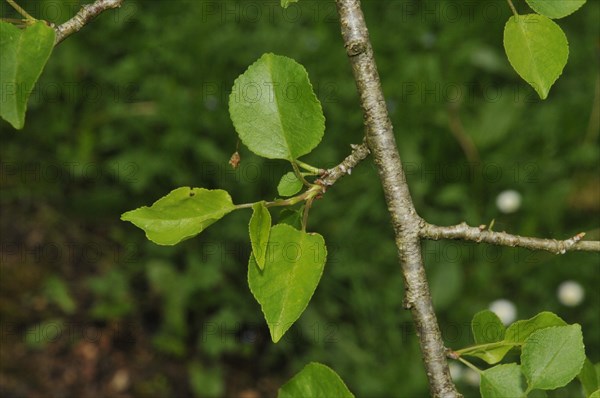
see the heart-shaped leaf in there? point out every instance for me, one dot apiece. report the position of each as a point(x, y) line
point(293, 267)
point(537, 49)
point(23, 55)
point(274, 109)
point(182, 214)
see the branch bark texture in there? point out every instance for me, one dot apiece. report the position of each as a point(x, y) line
point(405, 220)
point(85, 15)
point(480, 234)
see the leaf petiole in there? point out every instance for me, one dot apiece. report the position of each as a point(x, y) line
point(469, 365)
point(313, 170)
point(21, 11)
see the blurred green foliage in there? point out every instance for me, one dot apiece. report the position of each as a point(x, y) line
point(136, 104)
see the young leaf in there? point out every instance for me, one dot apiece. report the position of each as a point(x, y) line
point(595, 394)
point(315, 381)
point(286, 3)
point(537, 49)
point(23, 54)
point(555, 9)
point(501, 381)
point(490, 353)
point(589, 378)
point(274, 109)
point(487, 327)
point(293, 268)
point(289, 185)
point(519, 331)
point(260, 227)
point(552, 357)
point(182, 214)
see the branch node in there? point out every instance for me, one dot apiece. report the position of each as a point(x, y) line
point(355, 48)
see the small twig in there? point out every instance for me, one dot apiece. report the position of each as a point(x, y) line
point(512, 7)
point(20, 10)
point(481, 234)
point(359, 153)
point(85, 15)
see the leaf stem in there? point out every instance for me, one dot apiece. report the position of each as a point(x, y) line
point(21, 11)
point(512, 7)
point(305, 214)
point(308, 195)
point(488, 346)
point(470, 365)
point(313, 170)
point(299, 174)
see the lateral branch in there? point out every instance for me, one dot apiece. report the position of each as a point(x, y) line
point(463, 231)
point(85, 15)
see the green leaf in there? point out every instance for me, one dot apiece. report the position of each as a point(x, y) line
point(23, 54)
point(555, 8)
point(537, 49)
point(487, 327)
point(260, 227)
point(519, 331)
point(589, 378)
point(292, 217)
point(501, 381)
point(182, 214)
point(490, 353)
point(286, 3)
point(315, 381)
point(552, 357)
point(595, 394)
point(274, 109)
point(293, 268)
point(289, 185)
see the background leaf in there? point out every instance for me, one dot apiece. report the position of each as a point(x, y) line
point(23, 54)
point(293, 269)
point(537, 49)
point(315, 381)
point(260, 226)
point(274, 109)
point(501, 381)
point(286, 3)
point(589, 378)
point(552, 357)
point(183, 213)
point(555, 8)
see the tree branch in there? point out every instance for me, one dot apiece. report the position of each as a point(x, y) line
point(359, 153)
point(480, 234)
point(85, 15)
point(406, 222)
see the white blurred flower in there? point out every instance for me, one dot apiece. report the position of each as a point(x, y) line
point(505, 309)
point(508, 201)
point(456, 371)
point(471, 377)
point(570, 293)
